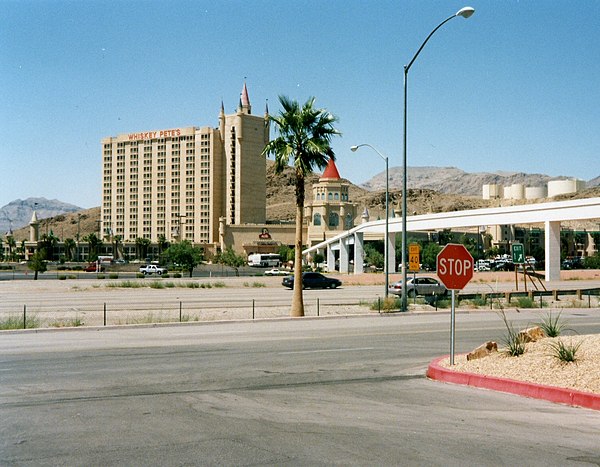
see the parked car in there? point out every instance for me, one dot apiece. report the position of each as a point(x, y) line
point(152, 269)
point(276, 272)
point(93, 267)
point(313, 280)
point(420, 285)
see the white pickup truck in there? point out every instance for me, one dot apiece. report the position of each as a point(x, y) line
point(149, 269)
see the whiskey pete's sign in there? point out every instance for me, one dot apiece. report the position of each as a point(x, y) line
point(154, 134)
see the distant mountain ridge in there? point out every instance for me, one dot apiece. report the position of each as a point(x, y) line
point(17, 213)
point(451, 180)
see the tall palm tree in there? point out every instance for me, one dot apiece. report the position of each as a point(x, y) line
point(304, 142)
point(69, 245)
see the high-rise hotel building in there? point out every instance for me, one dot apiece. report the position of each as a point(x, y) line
point(178, 182)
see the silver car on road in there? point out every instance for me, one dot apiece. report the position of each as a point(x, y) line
point(419, 285)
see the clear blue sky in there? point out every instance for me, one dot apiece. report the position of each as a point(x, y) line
point(513, 88)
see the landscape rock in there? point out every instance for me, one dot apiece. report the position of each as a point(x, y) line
point(531, 334)
point(483, 351)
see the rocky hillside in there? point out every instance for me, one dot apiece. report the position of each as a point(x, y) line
point(18, 213)
point(281, 198)
point(455, 181)
point(65, 225)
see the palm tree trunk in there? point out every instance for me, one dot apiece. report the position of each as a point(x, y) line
point(297, 299)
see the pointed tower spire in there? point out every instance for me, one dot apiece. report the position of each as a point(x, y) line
point(222, 120)
point(245, 100)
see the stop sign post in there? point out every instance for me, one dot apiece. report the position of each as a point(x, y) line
point(455, 270)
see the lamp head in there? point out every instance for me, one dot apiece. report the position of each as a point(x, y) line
point(353, 148)
point(465, 12)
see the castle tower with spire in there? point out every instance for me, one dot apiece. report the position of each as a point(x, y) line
point(244, 137)
point(330, 211)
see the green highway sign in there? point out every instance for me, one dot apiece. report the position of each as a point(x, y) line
point(518, 253)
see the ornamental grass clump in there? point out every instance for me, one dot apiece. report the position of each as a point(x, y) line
point(513, 339)
point(566, 353)
point(553, 326)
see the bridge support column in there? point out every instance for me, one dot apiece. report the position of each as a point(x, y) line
point(552, 244)
point(359, 252)
point(330, 258)
point(344, 259)
point(391, 252)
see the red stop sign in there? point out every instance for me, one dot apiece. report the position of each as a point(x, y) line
point(455, 266)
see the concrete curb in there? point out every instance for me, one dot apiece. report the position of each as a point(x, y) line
point(520, 388)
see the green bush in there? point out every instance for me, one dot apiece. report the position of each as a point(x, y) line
point(113, 275)
point(62, 277)
point(479, 301)
point(140, 275)
point(177, 275)
point(526, 302)
point(219, 285)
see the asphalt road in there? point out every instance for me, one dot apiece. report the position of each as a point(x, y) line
point(345, 391)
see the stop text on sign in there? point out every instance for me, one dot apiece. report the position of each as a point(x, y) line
point(454, 267)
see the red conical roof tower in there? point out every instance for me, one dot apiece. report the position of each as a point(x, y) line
point(331, 171)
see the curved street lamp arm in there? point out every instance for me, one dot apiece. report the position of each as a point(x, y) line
point(407, 67)
point(354, 148)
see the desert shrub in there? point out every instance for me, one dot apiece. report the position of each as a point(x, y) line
point(566, 353)
point(514, 342)
point(62, 277)
point(16, 322)
point(390, 303)
point(113, 275)
point(526, 302)
point(71, 323)
point(553, 326)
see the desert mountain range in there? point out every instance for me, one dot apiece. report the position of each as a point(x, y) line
point(431, 189)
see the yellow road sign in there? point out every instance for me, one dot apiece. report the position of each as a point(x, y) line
point(414, 257)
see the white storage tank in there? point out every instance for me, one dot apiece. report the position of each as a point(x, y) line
point(535, 192)
point(515, 191)
point(492, 191)
point(563, 187)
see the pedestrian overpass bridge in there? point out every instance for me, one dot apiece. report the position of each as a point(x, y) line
point(550, 214)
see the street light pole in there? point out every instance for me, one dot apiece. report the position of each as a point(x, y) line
point(387, 215)
point(465, 12)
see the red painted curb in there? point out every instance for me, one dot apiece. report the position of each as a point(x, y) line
point(520, 388)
